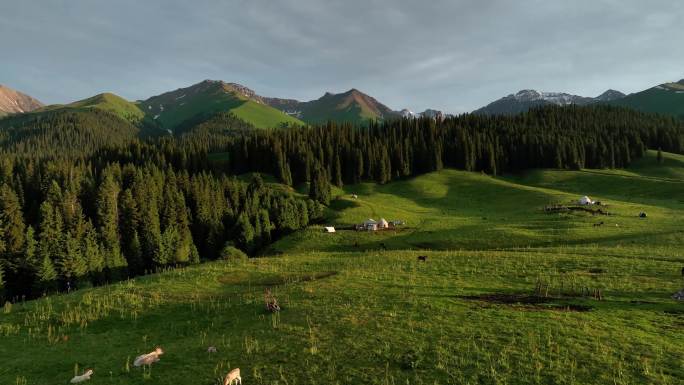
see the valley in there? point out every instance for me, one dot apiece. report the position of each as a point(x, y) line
point(353, 310)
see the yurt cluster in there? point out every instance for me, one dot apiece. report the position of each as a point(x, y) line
point(372, 225)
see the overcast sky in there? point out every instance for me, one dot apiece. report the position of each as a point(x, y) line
point(450, 55)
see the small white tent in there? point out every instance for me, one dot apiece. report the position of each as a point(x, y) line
point(383, 224)
point(329, 229)
point(585, 200)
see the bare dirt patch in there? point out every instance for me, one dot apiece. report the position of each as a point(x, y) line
point(270, 280)
point(528, 302)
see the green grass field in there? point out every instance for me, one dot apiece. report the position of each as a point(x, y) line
point(506, 296)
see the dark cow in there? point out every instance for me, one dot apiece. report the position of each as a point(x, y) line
point(422, 258)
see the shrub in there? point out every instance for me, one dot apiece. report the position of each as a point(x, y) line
point(232, 253)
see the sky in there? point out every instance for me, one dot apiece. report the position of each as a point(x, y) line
point(454, 56)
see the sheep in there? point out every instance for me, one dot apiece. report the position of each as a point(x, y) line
point(212, 349)
point(83, 377)
point(233, 376)
point(149, 358)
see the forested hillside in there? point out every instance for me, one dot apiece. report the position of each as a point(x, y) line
point(63, 133)
point(84, 200)
point(548, 137)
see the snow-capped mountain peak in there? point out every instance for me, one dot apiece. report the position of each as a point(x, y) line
point(525, 99)
point(559, 98)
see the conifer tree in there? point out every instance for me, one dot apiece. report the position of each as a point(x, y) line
point(108, 221)
point(93, 252)
point(46, 274)
point(319, 187)
point(12, 225)
point(30, 248)
point(129, 222)
point(71, 263)
point(245, 232)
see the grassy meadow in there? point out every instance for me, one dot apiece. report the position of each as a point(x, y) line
point(509, 294)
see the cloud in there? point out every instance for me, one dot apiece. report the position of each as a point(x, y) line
point(451, 55)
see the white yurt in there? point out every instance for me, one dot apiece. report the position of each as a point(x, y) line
point(383, 224)
point(585, 200)
point(370, 224)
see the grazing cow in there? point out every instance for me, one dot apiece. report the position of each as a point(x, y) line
point(382, 244)
point(270, 301)
point(83, 377)
point(233, 376)
point(598, 224)
point(149, 358)
point(682, 271)
point(422, 258)
point(212, 349)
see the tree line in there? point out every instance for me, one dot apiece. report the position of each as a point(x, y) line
point(547, 137)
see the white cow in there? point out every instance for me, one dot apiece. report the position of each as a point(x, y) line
point(149, 358)
point(233, 376)
point(83, 377)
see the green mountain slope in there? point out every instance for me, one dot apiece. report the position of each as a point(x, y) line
point(108, 102)
point(173, 108)
point(667, 98)
point(352, 106)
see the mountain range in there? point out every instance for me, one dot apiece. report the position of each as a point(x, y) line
point(201, 101)
point(526, 99)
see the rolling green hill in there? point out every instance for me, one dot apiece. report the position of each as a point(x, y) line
point(352, 106)
point(665, 99)
point(508, 294)
point(172, 109)
point(108, 102)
